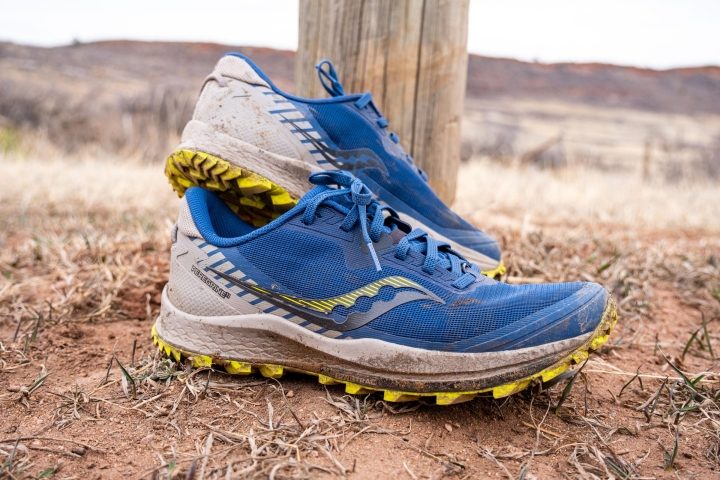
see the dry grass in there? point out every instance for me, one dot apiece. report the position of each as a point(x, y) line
point(85, 394)
point(664, 147)
point(528, 195)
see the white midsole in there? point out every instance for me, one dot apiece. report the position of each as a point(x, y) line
point(252, 336)
point(290, 173)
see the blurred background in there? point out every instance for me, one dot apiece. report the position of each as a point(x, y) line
point(625, 89)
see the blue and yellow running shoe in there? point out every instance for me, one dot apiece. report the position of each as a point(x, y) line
point(255, 145)
point(341, 288)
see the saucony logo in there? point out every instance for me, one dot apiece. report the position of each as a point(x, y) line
point(318, 311)
point(351, 160)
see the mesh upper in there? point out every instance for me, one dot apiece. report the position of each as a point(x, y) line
point(348, 129)
point(313, 266)
point(321, 260)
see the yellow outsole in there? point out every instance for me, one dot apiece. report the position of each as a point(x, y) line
point(237, 367)
point(254, 198)
point(497, 272)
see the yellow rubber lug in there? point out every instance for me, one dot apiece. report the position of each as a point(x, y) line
point(355, 389)
point(325, 380)
point(212, 185)
point(197, 175)
point(225, 172)
point(600, 336)
point(238, 368)
point(253, 202)
point(189, 155)
point(253, 197)
point(510, 388)
point(258, 222)
point(252, 185)
point(552, 372)
point(580, 356)
point(201, 361)
point(496, 272)
point(598, 342)
point(172, 170)
point(176, 354)
point(396, 396)
point(185, 183)
point(220, 170)
point(453, 398)
point(281, 199)
point(271, 371)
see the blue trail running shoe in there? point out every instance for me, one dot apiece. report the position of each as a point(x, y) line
point(256, 145)
point(339, 287)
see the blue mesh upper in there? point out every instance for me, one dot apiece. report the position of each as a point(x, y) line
point(320, 260)
point(348, 129)
point(313, 266)
point(342, 125)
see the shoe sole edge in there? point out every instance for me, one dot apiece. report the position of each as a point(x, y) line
point(240, 366)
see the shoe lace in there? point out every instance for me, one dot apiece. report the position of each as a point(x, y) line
point(351, 196)
point(329, 79)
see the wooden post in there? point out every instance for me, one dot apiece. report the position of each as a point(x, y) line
point(411, 54)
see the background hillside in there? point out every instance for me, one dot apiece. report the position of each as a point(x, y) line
point(133, 98)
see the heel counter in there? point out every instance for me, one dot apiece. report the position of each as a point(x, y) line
point(228, 68)
point(236, 101)
point(185, 289)
point(191, 287)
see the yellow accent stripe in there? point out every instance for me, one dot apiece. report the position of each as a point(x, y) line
point(326, 305)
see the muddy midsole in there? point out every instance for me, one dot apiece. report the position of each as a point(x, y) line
point(269, 339)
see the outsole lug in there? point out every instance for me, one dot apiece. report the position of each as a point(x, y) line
point(237, 367)
point(271, 371)
point(252, 197)
point(453, 398)
point(325, 380)
point(399, 397)
point(508, 389)
point(579, 357)
point(355, 389)
point(201, 361)
point(497, 272)
point(550, 373)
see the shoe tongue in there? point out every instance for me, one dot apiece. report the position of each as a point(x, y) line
point(396, 234)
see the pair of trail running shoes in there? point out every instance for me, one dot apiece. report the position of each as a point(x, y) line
point(308, 241)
